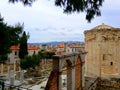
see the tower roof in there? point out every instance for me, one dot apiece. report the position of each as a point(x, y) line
point(102, 26)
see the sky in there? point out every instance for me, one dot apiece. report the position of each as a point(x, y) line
point(45, 22)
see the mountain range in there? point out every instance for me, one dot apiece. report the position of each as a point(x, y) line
point(54, 42)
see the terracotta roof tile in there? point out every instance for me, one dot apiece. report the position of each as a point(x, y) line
point(16, 47)
point(61, 45)
point(33, 48)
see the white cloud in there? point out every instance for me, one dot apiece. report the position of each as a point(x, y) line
point(46, 22)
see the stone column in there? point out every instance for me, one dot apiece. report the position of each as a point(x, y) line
point(18, 75)
point(12, 77)
point(60, 82)
point(8, 74)
point(1, 69)
point(53, 81)
point(19, 69)
point(8, 69)
point(21, 76)
point(12, 81)
point(73, 79)
point(14, 66)
point(69, 79)
point(60, 74)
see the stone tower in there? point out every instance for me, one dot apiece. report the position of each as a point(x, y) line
point(103, 46)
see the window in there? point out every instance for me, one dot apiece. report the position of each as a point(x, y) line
point(34, 52)
point(111, 63)
point(72, 50)
point(15, 53)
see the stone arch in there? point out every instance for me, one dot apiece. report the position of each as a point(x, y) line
point(65, 74)
point(73, 69)
point(64, 63)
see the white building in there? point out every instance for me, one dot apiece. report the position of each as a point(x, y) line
point(14, 55)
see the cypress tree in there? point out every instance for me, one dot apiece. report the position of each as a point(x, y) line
point(23, 46)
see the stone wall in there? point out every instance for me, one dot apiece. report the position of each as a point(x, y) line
point(103, 46)
point(109, 84)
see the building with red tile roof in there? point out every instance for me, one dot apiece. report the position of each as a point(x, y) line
point(14, 55)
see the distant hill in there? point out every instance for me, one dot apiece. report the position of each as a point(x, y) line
point(54, 42)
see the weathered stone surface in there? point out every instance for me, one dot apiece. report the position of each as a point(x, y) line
point(73, 64)
point(52, 83)
point(103, 46)
point(78, 75)
point(109, 84)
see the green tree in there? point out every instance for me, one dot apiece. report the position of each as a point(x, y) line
point(90, 7)
point(36, 59)
point(49, 55)
point(44, 54)
point(15, 33)
point(30, 62)
point(9, 35)
point(23, 46)
point(26, 62)
point(41, 54)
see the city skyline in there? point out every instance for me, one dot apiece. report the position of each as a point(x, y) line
point(45, 22)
